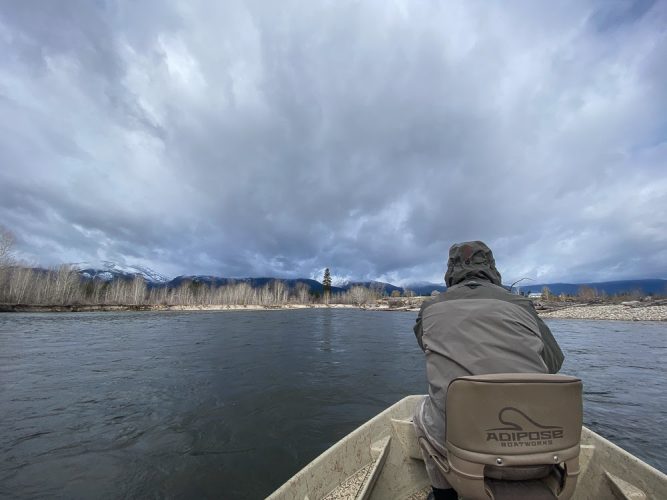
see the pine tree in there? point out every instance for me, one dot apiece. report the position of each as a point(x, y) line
point(326, 281)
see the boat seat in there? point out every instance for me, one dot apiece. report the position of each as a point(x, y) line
point(513, 435)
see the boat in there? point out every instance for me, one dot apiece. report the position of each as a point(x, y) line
point(381, 460)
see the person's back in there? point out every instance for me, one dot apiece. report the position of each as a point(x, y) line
point(476, 327)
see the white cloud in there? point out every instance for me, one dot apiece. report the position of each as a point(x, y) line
point(275, 139)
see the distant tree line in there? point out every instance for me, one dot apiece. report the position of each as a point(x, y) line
point(590, 294)
point(64, 286)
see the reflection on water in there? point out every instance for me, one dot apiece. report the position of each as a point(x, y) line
point(231, 404)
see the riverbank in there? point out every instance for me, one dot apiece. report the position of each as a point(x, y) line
point(119, 308)
point(628, 311)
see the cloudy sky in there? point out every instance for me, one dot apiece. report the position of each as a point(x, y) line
point(276, 138)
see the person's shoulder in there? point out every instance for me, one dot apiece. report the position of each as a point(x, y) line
point(505, 294)
point(429, 302)
point(434, 300)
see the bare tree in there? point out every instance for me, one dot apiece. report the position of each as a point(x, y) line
point(138, 291)
point(358, 295)
point(7, 242)
point(587, 293)
point(361, 295)
point(17, 288)
point(302, 292)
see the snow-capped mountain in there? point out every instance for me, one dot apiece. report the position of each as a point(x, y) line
point(108, 270)
point(340, 281)
point(291, 283)
point(425, 287)
point(337, 280)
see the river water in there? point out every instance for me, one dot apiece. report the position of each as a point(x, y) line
point(231, 404)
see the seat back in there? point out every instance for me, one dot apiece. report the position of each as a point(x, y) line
point(517, 427)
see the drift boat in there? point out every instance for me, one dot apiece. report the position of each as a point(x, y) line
point(381, 460)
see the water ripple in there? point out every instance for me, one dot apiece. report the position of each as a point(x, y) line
point(218, 404)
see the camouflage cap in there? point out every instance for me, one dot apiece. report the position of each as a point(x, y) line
point(471, 260)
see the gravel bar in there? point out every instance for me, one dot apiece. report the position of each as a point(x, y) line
point(609, 312)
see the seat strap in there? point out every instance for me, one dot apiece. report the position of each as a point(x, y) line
point(438, 459)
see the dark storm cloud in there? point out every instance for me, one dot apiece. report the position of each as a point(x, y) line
point(277, 138)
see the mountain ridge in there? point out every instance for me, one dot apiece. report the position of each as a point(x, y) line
point(111, 270)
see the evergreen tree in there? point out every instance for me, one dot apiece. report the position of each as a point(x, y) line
point(326, 281)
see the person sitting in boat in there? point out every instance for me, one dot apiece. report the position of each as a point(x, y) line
point(476, 327)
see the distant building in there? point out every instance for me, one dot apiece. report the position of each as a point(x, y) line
point(535, 295)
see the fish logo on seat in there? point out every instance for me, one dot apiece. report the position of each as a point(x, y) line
point(521, 430)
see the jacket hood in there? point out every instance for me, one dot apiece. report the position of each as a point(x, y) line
point(471, 260)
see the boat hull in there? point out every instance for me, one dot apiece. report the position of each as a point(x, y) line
point(381, 460)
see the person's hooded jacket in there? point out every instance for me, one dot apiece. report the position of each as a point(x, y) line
point(477, 327)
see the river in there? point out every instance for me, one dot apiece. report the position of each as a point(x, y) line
point(231, 404)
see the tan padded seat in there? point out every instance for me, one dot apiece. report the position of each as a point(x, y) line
point(513, 435)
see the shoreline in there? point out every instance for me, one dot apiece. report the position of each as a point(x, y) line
point(160, 308)
point(609, 312)
point(629, 311)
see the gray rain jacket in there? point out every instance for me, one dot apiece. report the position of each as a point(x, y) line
point(477, 327)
